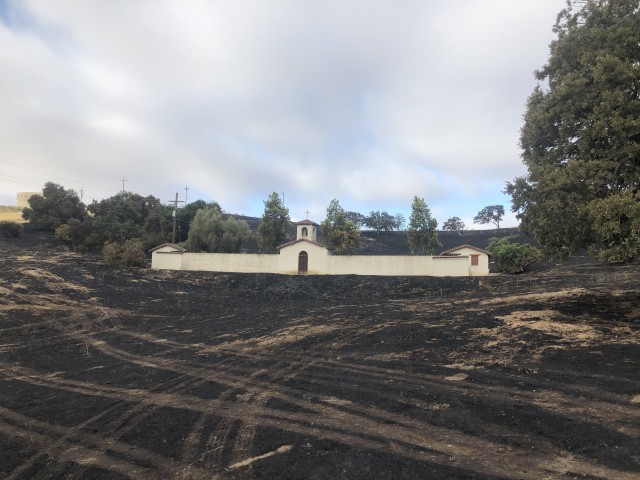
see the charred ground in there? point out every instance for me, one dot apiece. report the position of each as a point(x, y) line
point(139, 374)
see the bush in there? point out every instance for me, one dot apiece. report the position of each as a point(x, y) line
point(512, 257)
point(125, 254)
point(11, 229)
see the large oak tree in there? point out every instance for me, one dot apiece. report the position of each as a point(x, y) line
point(581, 135)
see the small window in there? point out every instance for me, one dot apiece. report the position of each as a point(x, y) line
point(305, 232)
point(474, 260)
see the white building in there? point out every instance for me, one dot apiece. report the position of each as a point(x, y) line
point(306, 255)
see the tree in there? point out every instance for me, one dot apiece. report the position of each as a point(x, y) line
point(512, 257)
point(580, 139)
point(422, 233)
point(274, 224)
point(185, 215)
point(380, 221)
point(453, 224)
point(341, 235)
point(491, 214)
point(118, 218)
point(400, 222)
point(55, 207)
point(357, 218)
point(211, 232)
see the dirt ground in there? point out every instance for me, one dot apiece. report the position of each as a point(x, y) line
point(108, 373)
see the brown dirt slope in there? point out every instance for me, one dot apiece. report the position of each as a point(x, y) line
point(139, 374)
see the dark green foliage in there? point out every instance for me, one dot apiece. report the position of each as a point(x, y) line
point(185, 215)
point(341, 235)
point(422, 234)
point(274, 224)
point(453, 224)
point(383, 221)
point(616, 225)
point(212, 232)
point(357, 218)
point(512, 257)
point(55, 207)
point(11, 229)
point(117, 219)
point(129, 253)
point(491, 214)
point(581, 136)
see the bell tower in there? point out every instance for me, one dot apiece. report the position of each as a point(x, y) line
point(307, 230)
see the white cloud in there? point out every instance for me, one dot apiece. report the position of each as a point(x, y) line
point(367, 101)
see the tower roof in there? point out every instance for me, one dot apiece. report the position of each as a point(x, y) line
point(307, 222)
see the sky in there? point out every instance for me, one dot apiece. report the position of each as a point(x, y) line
point(367, 101)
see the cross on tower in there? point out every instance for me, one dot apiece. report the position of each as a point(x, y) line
point(307, 212)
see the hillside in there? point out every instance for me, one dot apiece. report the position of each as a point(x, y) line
point(139, 374)
point(11, 214)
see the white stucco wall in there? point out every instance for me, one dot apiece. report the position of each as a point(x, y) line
point(320, 262)
point(166, 257)
point(230, 262)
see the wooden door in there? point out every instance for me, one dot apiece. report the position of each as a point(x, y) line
point(303, 263)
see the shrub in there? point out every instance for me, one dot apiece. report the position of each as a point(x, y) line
point(125, 254)
point(11, 229)
point(512, 257)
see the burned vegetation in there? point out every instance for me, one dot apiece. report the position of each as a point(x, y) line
point(116, 373)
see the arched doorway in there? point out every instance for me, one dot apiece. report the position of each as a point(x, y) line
point(303, 263)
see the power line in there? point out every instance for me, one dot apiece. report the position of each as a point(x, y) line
point(45, 174)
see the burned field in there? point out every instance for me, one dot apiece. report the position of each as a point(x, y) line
point(139, 374)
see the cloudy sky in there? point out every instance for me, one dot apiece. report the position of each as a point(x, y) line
point(368, 101)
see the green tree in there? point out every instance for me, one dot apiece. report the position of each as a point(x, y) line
point(357, 218)
point(118, 218)
point(512, 257)
point(453, 224)
point(55, 207)
point(491, 214)
point(341, 235)
point(399, 222)
point(274, 224)
point(380, 221)
point(211, 232)
point(185, 215)
point(422, 232)
point(580, 139)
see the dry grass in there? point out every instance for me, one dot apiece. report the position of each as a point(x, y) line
point(11, 214)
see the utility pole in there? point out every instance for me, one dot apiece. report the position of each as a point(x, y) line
point(123, 180)
point(175, 207)
point(186, 191)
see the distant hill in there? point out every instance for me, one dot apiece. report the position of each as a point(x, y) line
point(395, 243)
point(11, 214)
